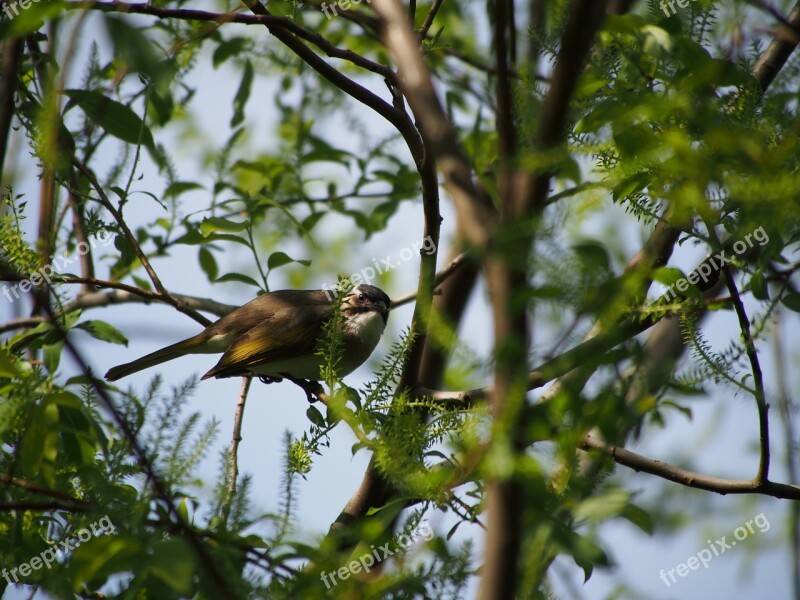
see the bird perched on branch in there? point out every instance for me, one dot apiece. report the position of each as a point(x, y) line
point(278, 335)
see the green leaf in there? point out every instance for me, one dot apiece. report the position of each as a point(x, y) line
point(315, 416)
point(238, 277)
point(382, 213)
point(792, 301)
point(602, 114)
point(142, 283)
point(600, 508)
point(40, 444)
point(593, 256)
point(193, 237)
point(212, 224)
point(227, 49)
point(77, 429)
point(357, 446)
point(179, 187)
point(639, 517)
point(52, 356)
point(311, 220)
point(101, 557)
point(160, 106)
point(758, 285)
point(8, 368)
point(291, 217)
point(134, 49)
point(115, 118)
point(278, 259)
point(668, 275)
point(23, 21)
point(208, 263)
point(242, 94)
point(183, 510)
point(587, 554)
point(103, 331)
point(685, 410)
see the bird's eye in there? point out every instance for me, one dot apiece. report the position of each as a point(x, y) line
point(361, 297)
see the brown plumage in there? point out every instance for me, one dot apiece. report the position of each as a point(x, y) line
point(278, 333)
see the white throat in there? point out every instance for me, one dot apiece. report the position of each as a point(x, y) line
point(368, 327)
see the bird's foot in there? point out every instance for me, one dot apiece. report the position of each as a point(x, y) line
point(313, 389)
point(266, 379)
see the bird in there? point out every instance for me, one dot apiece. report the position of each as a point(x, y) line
point(279, 334)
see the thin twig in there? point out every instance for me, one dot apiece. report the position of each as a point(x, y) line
point(233, 452)
point(441, 276)
point(117, 214)
point(758, 381)
point(109, 206)
point(772, 10)
point(42, 506)
point(22, 323)
point(78, 226)
point(426, 24)
point(38, 489)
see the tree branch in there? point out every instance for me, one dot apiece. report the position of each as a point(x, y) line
point(777, 53)
point(439, 135)
point(637, 462)
point(584, 18)
point(37, 489)
point(185, 14)
point(398, 118)
point(9, 66)
point(42, 506)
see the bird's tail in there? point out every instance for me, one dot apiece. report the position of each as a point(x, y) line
point(155, 358)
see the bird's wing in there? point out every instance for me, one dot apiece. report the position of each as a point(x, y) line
point(290, 332)
point(263, 309)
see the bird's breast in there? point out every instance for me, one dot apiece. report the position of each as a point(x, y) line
point(362, 332)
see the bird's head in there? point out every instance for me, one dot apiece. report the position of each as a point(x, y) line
point(364, 299)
